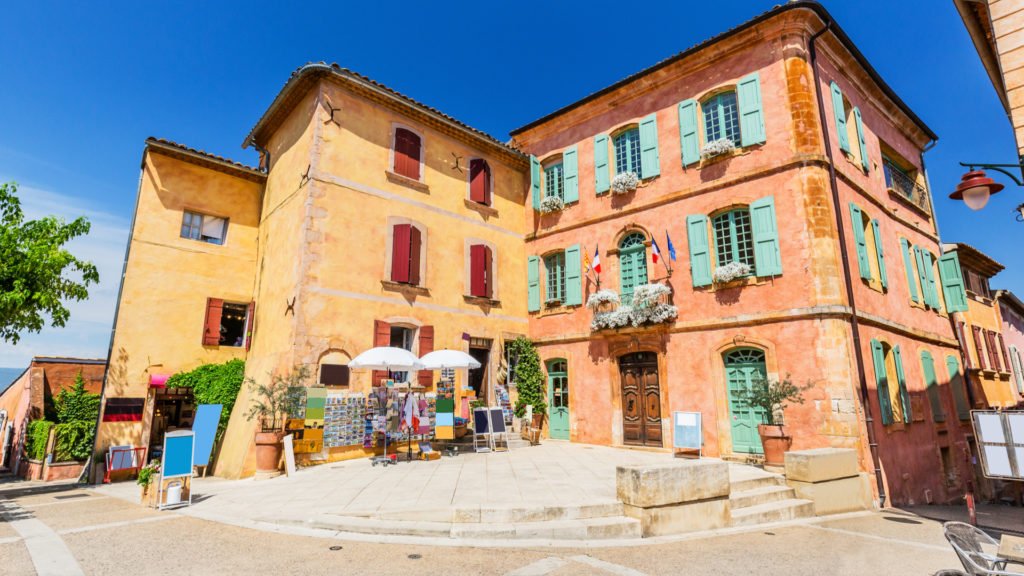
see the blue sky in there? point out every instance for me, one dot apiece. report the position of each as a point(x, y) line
point(84, 84)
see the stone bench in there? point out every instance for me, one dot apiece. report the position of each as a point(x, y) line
point(675, 497)
point(829, 477)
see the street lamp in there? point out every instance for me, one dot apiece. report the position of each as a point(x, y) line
point(976, 187)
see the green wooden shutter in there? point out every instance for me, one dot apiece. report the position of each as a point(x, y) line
point(857, 223)
point(570, 173)
point(897, 358)
point(929, 273)
point(860, 139)
point(573, 276)
point(908, 265)
point(700, 253)
point(952, 282)
point(767, 258)
point(602, 181)
point(650, 165)
point(627, 276)
point(1018, 368)
point(533, 283)
point(748, 96)
point(931, 385)
point(839, 111)
point(535, 181)
point(881, 382)
point(689, 140)
point(956, 383)
point(923, 278)
point(880, 252)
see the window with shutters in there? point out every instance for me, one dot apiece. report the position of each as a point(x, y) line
point(406, 260)
point(204, 228)
point(627, 152)
point(402, 337)
point(481, 271)
point(407, 153)
point(870, 256)
point(480, 182)
point(226, 323)
point(632, 264)
point(976, 283)
point(734, 239)
point(891, 384)
point(903, 180)
point(554, 179)
point(554, 268)
point(721, 118)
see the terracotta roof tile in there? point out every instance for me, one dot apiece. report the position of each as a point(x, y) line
point(191, 150)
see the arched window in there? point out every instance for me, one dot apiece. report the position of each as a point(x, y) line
point(721, 118)
point(407, 153)
point(627, 152)
point(632, 263)
point(734, 239)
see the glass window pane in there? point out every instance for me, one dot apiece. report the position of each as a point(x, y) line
point(554, 184)
point(627, 152)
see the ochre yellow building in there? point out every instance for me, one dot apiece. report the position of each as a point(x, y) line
point(377, 221)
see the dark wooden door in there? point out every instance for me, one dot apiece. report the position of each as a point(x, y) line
point(641, 399)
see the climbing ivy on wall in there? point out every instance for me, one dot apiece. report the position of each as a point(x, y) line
point(529, 377)
point(213, 384)
point(38, 434)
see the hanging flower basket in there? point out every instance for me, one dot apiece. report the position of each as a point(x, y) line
point(731, 271)
point(625, 182)
point(648, 306)
point(551, 204)
point(603, 301)
point(717, 148)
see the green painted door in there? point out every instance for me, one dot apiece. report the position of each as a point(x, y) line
point(743, 367)
point(558, 400)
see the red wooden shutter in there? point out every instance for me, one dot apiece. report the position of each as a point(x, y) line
point(479, 181)
point(415, 243)
point(381, 337)
point(249, 329)
point(993, 351)
point(211, 326)
point(426, 377)
point(400, 253)
point(963, 345)
point(488, 273)
point(407, 153)
point(1006, 354)
point(979, 348)
point(477, 270)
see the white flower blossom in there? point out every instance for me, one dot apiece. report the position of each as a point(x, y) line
point(731, 271)
point(600, 297)
point(625, 182)
point(646, 308)
point(717, 148)
point(551, 204)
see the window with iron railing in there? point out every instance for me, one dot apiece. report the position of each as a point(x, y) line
point(897, 180)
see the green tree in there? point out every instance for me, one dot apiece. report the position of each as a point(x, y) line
point(37, 274)
point(76, 404)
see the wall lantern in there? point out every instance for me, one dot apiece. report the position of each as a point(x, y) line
point(976, 187)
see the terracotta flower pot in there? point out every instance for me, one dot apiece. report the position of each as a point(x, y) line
point(268, 451)
point(461, 430)
point(775, 444)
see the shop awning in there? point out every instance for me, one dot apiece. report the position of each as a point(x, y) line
point(158, 380)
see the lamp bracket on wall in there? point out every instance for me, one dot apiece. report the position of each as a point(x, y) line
point(305, 175)
point(1001, 168)
point(332, 110)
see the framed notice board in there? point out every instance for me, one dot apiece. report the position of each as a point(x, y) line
point(686, 431)
point(178, 453)
point(1001, 443)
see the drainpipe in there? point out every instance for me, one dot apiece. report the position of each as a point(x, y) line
point(854, 324)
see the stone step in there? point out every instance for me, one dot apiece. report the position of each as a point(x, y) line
point(761, 495)
point(587, 529)
point(582, 529)
point(752, 481)
point(779, 511)
point(538, 513)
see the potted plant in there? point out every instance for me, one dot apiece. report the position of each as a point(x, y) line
point(461, 427)
point(271, 406)
point(529, 381)
point(771, 397)
point(147, 475)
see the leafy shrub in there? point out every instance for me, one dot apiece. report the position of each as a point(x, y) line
point(213, 384)
point(529, 377)
point(772, 397)
point(273, 402)
point(76, 404)
point(73, 440)
point(38, 434)
point(147, 472)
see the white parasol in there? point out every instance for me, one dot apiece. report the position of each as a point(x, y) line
point(442, 359)
point(387, 358)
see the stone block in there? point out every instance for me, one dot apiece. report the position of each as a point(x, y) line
point(820, 464)
point(680, 518)
point(672, 483)
point(835, 496)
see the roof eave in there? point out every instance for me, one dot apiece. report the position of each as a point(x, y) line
point(812, 5)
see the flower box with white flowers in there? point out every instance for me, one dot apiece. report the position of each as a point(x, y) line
point(649, 305)
point(551, 204)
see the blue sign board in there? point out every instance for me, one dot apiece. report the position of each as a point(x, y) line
point(686, 428)
point(178, 452)
point(205, 427)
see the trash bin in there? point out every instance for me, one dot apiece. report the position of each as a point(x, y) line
point(174, 492)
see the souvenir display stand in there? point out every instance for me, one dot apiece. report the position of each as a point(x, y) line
point(176, 469)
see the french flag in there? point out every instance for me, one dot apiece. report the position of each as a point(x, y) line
point(655, 253)
point(596, 265)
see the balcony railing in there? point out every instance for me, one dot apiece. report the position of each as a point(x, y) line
point(897, 181)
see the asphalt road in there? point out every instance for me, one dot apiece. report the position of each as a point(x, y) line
point(77, 531)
